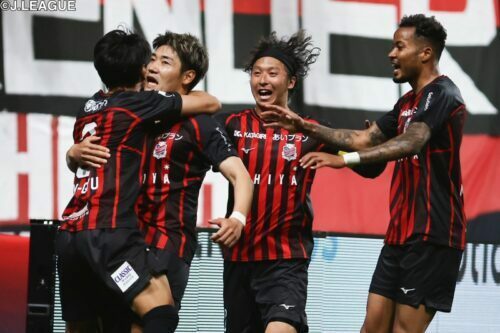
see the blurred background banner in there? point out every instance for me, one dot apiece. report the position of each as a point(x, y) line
point(46, 73)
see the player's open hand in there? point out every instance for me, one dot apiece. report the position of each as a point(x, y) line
point(278, 116)
point(229, 232)
point(89, 154)
point(318, 160)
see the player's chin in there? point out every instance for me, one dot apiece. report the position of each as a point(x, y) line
point(399, 79)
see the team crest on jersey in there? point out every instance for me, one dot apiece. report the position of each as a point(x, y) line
point(289, 152)
point(160, 150)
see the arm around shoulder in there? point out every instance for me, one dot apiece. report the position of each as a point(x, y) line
point(197, 102)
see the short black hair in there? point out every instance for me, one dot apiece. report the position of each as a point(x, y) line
point(298, 49)
point(191, 52)
point(119, 58)
point(428, 28)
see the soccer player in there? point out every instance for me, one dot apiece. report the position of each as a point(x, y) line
point(266, 272)
point(418, 266)
point(100, 246)
point(178, 158)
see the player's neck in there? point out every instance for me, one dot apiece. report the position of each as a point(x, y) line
point(114, 90)
point(425, 77)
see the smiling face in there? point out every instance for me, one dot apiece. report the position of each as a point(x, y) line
point(164, 71)
point(405, 56)
point(269, 81)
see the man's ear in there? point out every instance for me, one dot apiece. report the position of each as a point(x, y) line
point(292, 82)
point(426, 54)
point(188, 77)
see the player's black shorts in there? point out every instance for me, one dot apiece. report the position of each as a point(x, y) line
point(418, 273)
point(176, 270)
point(256, 293)
point(99, 267)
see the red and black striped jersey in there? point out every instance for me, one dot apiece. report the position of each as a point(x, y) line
point(279, 225)
point(104, 197)
point(426, 197)
point(177, 164)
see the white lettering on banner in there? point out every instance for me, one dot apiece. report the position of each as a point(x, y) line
point(324, 17)
point(229, 84)
point(44, 77)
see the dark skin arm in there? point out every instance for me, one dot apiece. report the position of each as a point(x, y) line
point(343, 139)
point(405, 145)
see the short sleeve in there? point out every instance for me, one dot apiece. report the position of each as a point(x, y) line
point(434, 107)
point(162, 106)
point(215, 144)
point(388, 123)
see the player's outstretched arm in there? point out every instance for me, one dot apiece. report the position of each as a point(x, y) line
point(87, 154)
point(231, 228)
point(197, 102)
point(404, 145)
point(343, 139)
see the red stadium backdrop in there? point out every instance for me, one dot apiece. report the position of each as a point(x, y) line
point(46, 72)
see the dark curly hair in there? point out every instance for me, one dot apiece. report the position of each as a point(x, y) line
point(428, 28)
point(298, 51)
point(192, 54)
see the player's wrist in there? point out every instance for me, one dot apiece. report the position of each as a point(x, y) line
point(239, 217)
point(351, 159)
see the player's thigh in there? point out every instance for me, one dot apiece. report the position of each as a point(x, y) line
point(380, 312)
point(176, 270)
point(409, 319)
point(280, 327)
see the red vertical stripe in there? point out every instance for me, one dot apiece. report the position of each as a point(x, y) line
point(406, 199)
point(22, 179)
point(207, 204)
point(22, 136)
point(450, 176)
point(55, 167)
point(118, 162)
point(197, 133)
point(161, 216)
point(181, 204)
point(278, 187)
point(416, 180)
point(497, 11)
point(428, 190)
point(94, 211)
point(308, 178)
point(23, 197)
point(264, 176)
